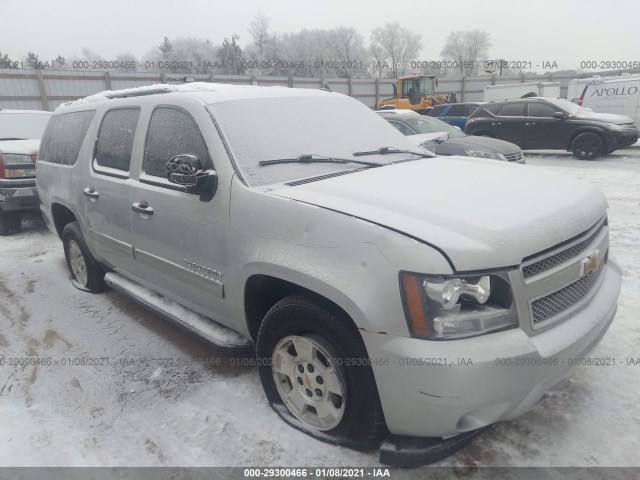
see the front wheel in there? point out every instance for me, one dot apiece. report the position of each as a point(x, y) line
point(315, 372)
point(86, 271)
point(587, 146)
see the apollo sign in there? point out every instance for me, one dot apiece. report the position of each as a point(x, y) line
point(614, 91)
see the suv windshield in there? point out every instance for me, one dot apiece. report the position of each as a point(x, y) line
point(22, 126)
point(430, 125)
point(270, 128)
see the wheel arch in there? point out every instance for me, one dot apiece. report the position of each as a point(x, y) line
point(61, 216)
point(262, 290)
point(595, 130)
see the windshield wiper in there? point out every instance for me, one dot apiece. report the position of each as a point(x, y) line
point(388, 150)
point(313, 158)
point(12, 138)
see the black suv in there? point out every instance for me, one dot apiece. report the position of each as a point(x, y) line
point(553, 123)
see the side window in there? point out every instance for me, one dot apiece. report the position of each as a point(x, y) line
point(436, 111)
point(172, 131)
point(472, 109)
point(539, 109)
point(115, 139)
point(511, 110)
point(63, 137)
point(457, 111)
point(401, 128)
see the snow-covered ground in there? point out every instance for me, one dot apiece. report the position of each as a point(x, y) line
point(160, 397)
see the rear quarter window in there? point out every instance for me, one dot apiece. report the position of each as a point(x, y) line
point(63, 137)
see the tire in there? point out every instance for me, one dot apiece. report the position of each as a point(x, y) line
point(324, 339)
point(10, 222)
point(587, 146)
point(85, 270)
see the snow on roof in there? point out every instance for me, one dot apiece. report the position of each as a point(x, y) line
point(222, 91)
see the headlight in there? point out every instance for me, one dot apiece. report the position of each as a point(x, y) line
point(443, 308)
point(615, 126)
point(480, 154)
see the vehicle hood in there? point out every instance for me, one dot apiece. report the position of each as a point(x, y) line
point(24, 147)
point(459, 146)
point(481, 213)
point(604, 117)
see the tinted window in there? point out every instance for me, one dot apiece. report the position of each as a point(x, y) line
point(492, 108)
point(63, 137)
point(172, 132)
point(401, 128)
point(436, 111)
point(115, 140)
point(457, 111)
point(541, 110)
point(472, 109)
point(511, 110)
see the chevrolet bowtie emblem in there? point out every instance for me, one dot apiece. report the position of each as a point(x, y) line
point(591, 263)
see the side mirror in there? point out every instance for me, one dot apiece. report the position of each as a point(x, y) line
point(560, 115)
point(187, 170)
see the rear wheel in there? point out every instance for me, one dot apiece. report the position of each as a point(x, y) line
point(10, 222)
point(316, 375)
point(587, 146)
point(86, 271)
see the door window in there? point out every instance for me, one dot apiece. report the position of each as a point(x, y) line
point(115, 139)
point(538, 109)
point(457, 111)
point(511, 110)
point(172, 131)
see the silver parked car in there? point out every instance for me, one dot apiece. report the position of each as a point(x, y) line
point(384, 289)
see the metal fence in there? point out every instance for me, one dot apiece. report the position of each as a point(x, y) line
point(46, 89)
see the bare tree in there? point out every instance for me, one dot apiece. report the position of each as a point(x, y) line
point(260, 49)
point(347, 47)
point(396, 46)
point(466, 48)
point(230, 55)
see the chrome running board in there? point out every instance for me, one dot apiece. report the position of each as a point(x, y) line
point(199, 324)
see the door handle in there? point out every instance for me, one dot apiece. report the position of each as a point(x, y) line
point(530, 124)
point(494, 124)
point(142, 207)
point(90, 192)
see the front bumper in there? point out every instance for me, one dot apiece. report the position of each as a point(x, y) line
point(624, 138)
point(444, 388)
point(18, 195)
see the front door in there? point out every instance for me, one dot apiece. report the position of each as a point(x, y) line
point(180, 242)
point(543, 130)
point(509, 124)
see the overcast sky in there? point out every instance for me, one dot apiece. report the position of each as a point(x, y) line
point(566, 31)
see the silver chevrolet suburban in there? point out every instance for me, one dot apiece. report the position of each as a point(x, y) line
point(384, 289)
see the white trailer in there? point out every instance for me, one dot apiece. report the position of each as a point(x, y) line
point(619, 95)
point(519, 90)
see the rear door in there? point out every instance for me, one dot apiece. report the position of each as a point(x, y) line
point(456, 115)
point(509, 124)
point(106, 189)
point(180, 242)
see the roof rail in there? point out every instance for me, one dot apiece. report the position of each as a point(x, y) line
point(136, 93)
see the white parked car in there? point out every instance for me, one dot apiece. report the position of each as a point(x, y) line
point(384, 289)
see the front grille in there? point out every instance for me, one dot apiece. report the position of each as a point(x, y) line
point(560, 300)
point(560, 257)
point(513, 157)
